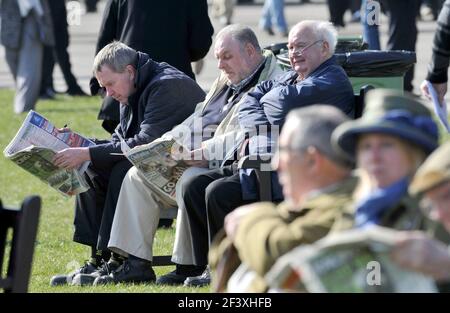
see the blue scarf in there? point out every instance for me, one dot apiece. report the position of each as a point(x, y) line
point(371, 208)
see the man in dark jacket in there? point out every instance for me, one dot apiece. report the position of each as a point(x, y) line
point(174, 31)
point(153, 97)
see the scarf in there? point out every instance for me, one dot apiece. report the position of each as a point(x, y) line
point(371, 208)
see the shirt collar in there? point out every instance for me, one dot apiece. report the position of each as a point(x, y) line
point(243, 83)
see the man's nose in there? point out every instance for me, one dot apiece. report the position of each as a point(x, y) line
point(220, 64)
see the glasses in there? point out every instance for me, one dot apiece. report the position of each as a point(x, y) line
point(299, 50)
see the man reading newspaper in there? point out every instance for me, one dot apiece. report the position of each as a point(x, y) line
point(33, 149)
point(154, 97)
point(243, 65)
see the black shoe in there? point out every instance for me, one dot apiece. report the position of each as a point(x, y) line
point(59, 280)
point(131, 271)
point(179, 275)
point(199, 281)
point(76, 91)
point(88, 279)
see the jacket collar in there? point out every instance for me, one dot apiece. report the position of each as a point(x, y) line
point(145, 71)
point(320, 68)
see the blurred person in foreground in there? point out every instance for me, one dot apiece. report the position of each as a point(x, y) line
point(317, 185)
point(389, 142)
point(415, 250)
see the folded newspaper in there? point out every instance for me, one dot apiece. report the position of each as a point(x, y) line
point(34, 146)
point(159, 169)
point(440, 108)
point(351, 261)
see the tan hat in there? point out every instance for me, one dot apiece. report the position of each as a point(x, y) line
point(433, 172)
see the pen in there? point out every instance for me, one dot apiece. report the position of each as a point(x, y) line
point(65, 125)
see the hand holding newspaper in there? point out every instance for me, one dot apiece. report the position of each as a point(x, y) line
point(158, 167)
point(34, 147)
point(440, 109)
point(356, 260)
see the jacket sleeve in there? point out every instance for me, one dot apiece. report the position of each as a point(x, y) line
point(251, 112)
point(265, 234)
point(200, 29)
point(164, 109)
point(437, 70)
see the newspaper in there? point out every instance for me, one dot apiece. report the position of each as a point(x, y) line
point(159, 169)
point(351, 261)
point(34, 146)
point(440, 109)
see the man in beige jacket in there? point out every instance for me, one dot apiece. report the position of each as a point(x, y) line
point(243, 65)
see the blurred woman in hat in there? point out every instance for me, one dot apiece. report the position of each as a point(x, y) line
point(388, 143)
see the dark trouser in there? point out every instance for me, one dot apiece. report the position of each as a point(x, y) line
point(48, 63)
point(95, 208)
point(91, 5)
point(403, 30)
point(208, 198)
point(63, 59)
point(337, 9)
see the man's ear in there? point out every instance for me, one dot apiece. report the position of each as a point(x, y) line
point(250, 49)
point(325, 48)
point(132, 71)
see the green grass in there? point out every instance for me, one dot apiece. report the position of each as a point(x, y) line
point(55, 251)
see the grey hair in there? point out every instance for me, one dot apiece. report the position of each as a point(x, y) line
point(313, 128)
point(116, 56)
point(323, 31)
point(241, 33)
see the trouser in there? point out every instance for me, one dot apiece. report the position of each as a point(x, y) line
point(136, 220)
point(60, 54)
point(337, 9)
point(369, 20)
point(273, 12)
point(403, 30)
point(25, 65)
point(95, 208)
point(208, 198)
point(48, 63)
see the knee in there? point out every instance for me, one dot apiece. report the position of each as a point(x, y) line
point(216, 192)
point(190, 185)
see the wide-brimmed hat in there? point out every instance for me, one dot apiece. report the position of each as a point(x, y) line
point(390, 112)
point(433, 172)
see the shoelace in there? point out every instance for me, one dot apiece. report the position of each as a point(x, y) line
point(125, 267)
point(105, 269)
point(85, 267)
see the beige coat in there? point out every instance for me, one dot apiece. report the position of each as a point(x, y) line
point(228, 132)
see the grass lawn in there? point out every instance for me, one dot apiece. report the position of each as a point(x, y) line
point(55, 251)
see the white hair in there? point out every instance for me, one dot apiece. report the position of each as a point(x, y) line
point(322, 30)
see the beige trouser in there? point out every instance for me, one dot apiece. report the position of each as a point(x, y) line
point(136, 220)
